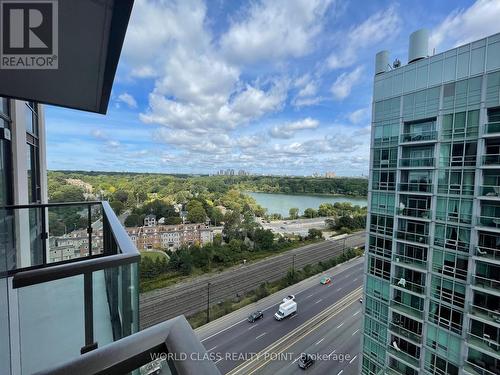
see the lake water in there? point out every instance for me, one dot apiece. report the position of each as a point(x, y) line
point(281, 203)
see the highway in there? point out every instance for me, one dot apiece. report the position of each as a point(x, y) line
point(192, 296)
point(328, 320)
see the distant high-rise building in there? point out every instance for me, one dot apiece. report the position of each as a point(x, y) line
point(330, 175)
point(432, 276)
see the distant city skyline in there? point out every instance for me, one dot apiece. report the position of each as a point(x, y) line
point(270, 87)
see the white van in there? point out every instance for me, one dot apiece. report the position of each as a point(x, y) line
point(286, 309)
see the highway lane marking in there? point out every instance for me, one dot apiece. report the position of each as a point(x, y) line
point(339, 289)
point(356, 279)
point(293, 316)
point(341, 305)
point(269, 307)
point(353, 358)
point(320, 341)
point(356, 331)
point(220, 359)
point(318, 301)
point(262, 334)
point(252, 327)
point(356, 313)
point(329, 355)
point(340, 325)
point(310, 295)
point(209, 350)
point(340, 372)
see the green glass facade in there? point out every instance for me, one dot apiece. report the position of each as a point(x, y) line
point(432, 271)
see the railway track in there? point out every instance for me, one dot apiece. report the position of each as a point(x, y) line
point(191, 297)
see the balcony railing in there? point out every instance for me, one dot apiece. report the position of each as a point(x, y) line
point(85, 302)
point(454, 217)
point(418, 263)
point(487, 283)
point(456, 189)
point(406, 309)
point(458, 161)
point(475, 369)
point(427, 162)
point(430, 135)
point(492, 127)
point(488, 253)
point(485, 342)
point(403, 356)
point(419, 213)
point(384, 186)
point(489, 221)
point(469, 132)
point(420, 187)
point(419, 238)
point(491, 159)
point(490, 191)
point(401, 331)
point(486, 313)
point(402, 283)
point(452, 244)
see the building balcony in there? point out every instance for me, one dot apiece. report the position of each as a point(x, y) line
point(492, 128)
point(403, 260)
point(488, 253)
point(485, 313)
point(402, 283)
point(489, 221)
point(486, 283)
point(418, 238)
point(452, 244)
point(415, 187)
point(421, 137)
point(406, 309)
point(455, 189)
point(399, 330)
point(484, 342)
point(75, 286)
point(427, 162)
point(458, 161)
point(417, 213)
point(491, 160)
point(454, 217)
point(478, 369)
point(403, 356)
point(490, 192)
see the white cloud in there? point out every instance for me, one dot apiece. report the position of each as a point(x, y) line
point(342, 86)
point(275, 29)
point(466, 25)
point(359, 115)
point(128, 99)
point(378, 27)
point(288, 130)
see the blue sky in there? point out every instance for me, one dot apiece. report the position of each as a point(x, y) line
point(277, 86)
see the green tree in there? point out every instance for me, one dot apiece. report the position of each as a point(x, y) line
point(132, 220)
point(197, 215)
point(121, 196)
point(314, 233)
point(310, 213)
point(264, 239)
point(294, 213)
point(117, 206)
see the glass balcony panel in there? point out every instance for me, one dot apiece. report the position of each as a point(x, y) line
point(475, 369)
point(492, 127)
point(481, 363)
point(413, 237)
point(485, 342)
point(491, 159)
point(429, 135)
point(486, 283)
point(51, 323)
point(417, 162)
point(490, 191)
point(416, 187)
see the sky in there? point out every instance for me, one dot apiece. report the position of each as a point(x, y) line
point(266, 86)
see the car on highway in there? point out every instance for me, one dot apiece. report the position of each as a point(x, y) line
point(290, 297)
point(325, 280)
point(305, 361)
point(255, 316)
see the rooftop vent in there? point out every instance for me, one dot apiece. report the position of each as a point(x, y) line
point(419, 45)
point(381, 62)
